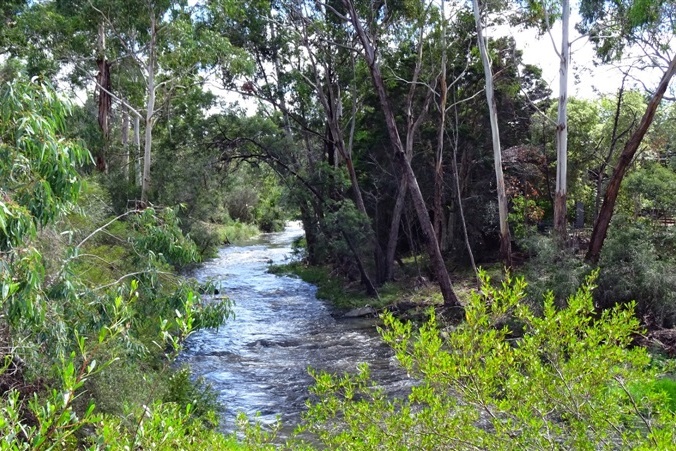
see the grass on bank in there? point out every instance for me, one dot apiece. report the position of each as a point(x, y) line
point(210, 236)
point(409, 287)
point(333, 287)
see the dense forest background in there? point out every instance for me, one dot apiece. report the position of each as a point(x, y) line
point(409, 137)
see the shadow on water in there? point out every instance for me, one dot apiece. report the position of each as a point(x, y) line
point(257, 363)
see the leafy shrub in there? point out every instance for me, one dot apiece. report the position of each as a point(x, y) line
point(271, 220)
point(195, 394)
point(206, 237)
point(161, 426)
point(342, 232)
point(240, 203)
point(38, 165)
point(632, 268)
point(524, 214)
point(209, 237)
point(664, 387)
point(125, 387)
point(562, 385)
point(66, 324)
point(551, 268)
point(653, 188)
point(158, 232)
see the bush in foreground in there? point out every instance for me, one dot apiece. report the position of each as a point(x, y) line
point(505, 379)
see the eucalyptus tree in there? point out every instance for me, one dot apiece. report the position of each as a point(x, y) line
point(585, 123)
point(371, 56)
point(620, 114)
point(324, 41)
point(560, 200)
point(320, 93)
point(542, 14)
point(38, 171)
point(441, 62)
point(138, 54)
point(505, 237)
point(454, 45)
point(305, 74)
point(516, 87)
point(443, 102)
point(618, 28)
point(412, 30)
point(168, 44)
point(308, 71)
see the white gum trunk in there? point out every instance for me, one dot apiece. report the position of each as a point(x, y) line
point(150, 109)
point(562, 127)
point(505, 238)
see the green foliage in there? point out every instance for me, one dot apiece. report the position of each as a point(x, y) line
point(56, 423)
point(664, 387)
point(562, 385)
point(524, 214)
point(37, 165)
point(257, 437)
point(341, 231)
point(637, 264)
point(613, 25)
point(125, 386)
point(39, 182)
point(209, 236)
point(195, 395)
point(162, 426)
point(240, 203)
point(269, 216)
point(551, 268)
point(159, 234)
point(150, 317)
point(652, 188)
point(68, 320)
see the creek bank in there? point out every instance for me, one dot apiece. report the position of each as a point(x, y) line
point(411, 296)
point(408, 298)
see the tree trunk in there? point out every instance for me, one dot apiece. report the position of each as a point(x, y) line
point(152, 56)
point(606, 213)
point(412, 126)
point(331, 102)
point(137, 151)
point(104, 103)
point(611, 151)
point(560, 220)
point(439, 161)
point(310, 228)
point(393, 237)
point(436, 260)
point(505, 238)
point(461, 209)
point(125, 145)
point(365, 279)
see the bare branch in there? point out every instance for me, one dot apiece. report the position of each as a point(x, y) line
point(120, 100)
point(105, 226)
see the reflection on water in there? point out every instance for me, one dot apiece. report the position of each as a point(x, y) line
point(258, 361)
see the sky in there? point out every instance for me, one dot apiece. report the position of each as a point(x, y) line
point(587, 78)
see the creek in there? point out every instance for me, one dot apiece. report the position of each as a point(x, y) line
point(258, 361)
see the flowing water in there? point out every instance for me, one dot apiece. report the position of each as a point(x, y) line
point(258, 361)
